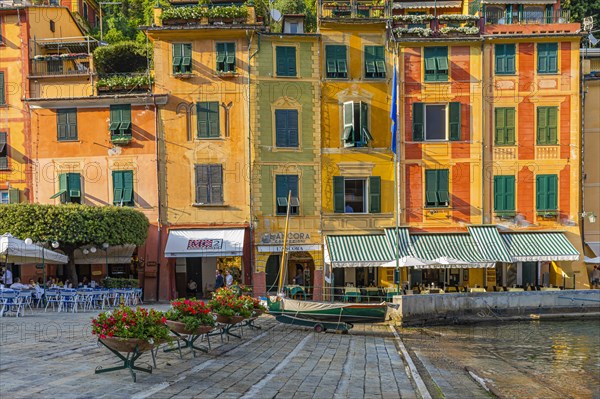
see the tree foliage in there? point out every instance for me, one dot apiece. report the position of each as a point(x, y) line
point(127, 56)
point(75, 225)
point(583, 8)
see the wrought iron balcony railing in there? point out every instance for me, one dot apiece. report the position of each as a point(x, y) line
point(355, 9)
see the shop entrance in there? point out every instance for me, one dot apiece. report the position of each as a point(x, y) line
point(272, 274)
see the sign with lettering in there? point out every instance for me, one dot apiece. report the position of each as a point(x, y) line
point(206, 244)
point(290, 248)
point(294, 237)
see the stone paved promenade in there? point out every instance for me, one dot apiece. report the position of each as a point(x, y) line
point(53, 355)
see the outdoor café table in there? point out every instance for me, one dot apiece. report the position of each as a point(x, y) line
point(477, 289)
point(293, 290)
point(371, 292)
point(550, 289)
point(514, 289)
point(351, 292)
point(433, 291)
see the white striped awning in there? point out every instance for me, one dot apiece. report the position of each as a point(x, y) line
point(366, 250)
point(459, 247)
point(402, 240)
point(528, 2)
point(539, 246)
point(490, 244)
point(428, 4)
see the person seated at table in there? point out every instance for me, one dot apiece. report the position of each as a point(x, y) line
point(192, 288)
point(40, 281)
point(84, 281)
point(17, 285)
point(93, 284)
point(32, 283)
point(68, 284)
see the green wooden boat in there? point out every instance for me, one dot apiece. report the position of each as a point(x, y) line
point(330, 311)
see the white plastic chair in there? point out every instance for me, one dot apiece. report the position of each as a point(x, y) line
point(52, 298)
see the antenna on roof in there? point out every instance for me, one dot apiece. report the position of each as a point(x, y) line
point(276, 14)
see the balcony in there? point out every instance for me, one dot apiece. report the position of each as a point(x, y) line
point(355, 9)
point(60, 65)
point(443, 27)
point(209, 15)
point(124, 83)
point(527, 20)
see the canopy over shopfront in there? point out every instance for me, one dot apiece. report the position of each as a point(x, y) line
point(198, 243)
point(539, 246)
point(369, 250)
point(13, 250)
point(490, 243)
point(448, 250)
point(595, 247)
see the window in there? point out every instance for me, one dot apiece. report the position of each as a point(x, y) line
point(69, 188)
point(374, 62)
point(546, 192)
point(2, 94)
point(351, 195)
point(209, 184)
point(182, 58)
point(3, 151)
point(436, 64)
point(120, 122)
point(435, 122)
point(505, 59)
point(504, 194)
point(286, 60)
point(436, 188)
point(225, 57)
point(85, 11)
point(547, 57)
point(208, 119)
point(356, 124)
point(52, 26)
point(547, 125)
point(10, 196)
point(66, 124)
point(4, 197)
point(336, 62)
point(294, 27)
point(123, 188)
point(416, 25)
point(286, 128)
point(504, 126)
point(283, 185)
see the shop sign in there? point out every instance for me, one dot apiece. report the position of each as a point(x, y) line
point(290, 248)
point(294, 237)
point(205, 244)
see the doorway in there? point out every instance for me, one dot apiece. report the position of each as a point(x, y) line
point(272, 273)
point(529, 273)
point(193, 271)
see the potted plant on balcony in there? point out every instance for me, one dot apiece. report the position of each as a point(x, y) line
point(228, 14)
point(228, 306)
point(189, 317)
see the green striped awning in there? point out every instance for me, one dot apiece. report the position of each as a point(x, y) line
point(490, 244)
point(358, 250)
point(454, 247)
point(404, 249)
point(542, 246)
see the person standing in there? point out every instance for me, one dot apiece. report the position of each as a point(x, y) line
point(595, 277)
point(192, 288)
point(228, 279)
point(219, 280)
point(7, 277)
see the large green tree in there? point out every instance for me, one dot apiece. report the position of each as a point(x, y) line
point(583, 8)
point(74, 226)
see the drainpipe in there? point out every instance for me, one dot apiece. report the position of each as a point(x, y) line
point(483, 141)
point(158, 227)
point(582, 117)
point(251, 207)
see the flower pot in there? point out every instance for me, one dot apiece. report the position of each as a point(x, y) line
point(258, 312)
point(127, 344)
point(179, 328)
point(229, 319)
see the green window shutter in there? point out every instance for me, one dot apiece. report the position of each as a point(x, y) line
point(499, 193)
point(177, 57)
point(74, 185)
point(430, 65)
point(375, 194)
point(552, 137)
point(454, 121)
point(552, 186)
point(348, 117)
point(62, 182)
point(128, 187)
point(117, 187)
point(365, 134)
point(2, 91)
point(431, 187)
point(281, 128)
point(338, 194)
point(500, 58)
point(202, 180)
point(216, 184)
point(213, 119)
point(281, 186)
point(443, 194)
point(292, 127)
point(230, 60)
point(552, 57)
point(72, 123)
point(62, 125)
point(500, 126)
point(291, 61)
point(541, 191)
point(13, 196)
point(418, 121)
point(510, 58)
point(509, 199)
point(542, 125)
point(186, 60)
point(221, 55)
point(202, 119)
point(510, 126)
point(125, 126)
point(292, 183)
point(115, 119)
point(281, 61)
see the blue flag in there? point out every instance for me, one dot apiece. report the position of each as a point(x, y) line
point(393, 110)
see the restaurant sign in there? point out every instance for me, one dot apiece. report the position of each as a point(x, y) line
point(294, 237)
point(205, 244)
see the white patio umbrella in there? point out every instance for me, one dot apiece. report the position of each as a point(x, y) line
point(446, 261)
point(13, 250)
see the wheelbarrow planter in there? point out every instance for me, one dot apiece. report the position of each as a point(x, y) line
point(132, 347)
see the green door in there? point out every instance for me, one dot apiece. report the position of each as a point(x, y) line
point(529, 273)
